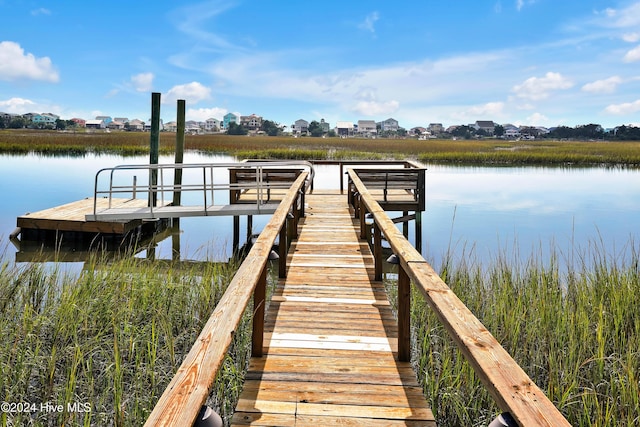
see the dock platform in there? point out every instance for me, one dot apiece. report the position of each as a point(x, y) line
point(71, 217)
point(330, 343)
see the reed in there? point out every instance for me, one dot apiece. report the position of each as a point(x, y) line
point(539, 152)
point(107, 340)
point(575, 330)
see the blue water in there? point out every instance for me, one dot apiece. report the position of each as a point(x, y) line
point(484, 210)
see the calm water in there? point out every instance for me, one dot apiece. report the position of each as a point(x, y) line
point(491, 210)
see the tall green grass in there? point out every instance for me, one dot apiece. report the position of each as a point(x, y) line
point(571, 321)
point(110, 338)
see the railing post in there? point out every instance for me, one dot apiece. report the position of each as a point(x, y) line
point(404, 315)
point(377, 251)
point(363, 213)
point(259, 297)
point(282, 251)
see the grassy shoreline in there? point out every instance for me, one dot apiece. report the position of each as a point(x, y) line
point(466, 152)
point(114, 336)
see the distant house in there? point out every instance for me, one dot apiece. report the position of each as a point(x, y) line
point(301, 126)
point(79, 122)
point(115, 125)
point(147, 126)
point(435, 128)
point(511, 131)
point(324, 126)
point(105, 119)
point(121, 119)
point(367, 127)
point(193, 127)
point(44, 120)
point(484, 125)
point(418, 131)
point(171, 127)
point(229, 118)
point(136, 125)
point(95, 124)
point(29, 116)
point(344, 128)
point(389, 125)
point(212, 125)
point(252, 122)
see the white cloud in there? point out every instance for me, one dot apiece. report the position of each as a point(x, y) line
point(625, 108)
point(369, 22)
point(373, 108)
point(631, 37)
point(202, 114)
point(538, 119)
point(143, 82)
point(489, 109)
point(537, 88)
point(16, 105)
point(603, 86)
point(41, 11)
point(192, 93)
point(16, 65)
point(628, 17)
point(522, 3)
point(633, 55)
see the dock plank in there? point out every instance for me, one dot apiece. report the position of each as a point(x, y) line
point(330, 342)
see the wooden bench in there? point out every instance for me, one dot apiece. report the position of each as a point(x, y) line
point(394, 189)
point(276, 182)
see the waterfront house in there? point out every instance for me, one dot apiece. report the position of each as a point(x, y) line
point(252, 122)
point(344, 129)
point(229, 118)
point(105, 119)
point(486, 126)
point(300, 127)
point(389, 125)
point(95, 124)
point(367, 127)
point(212, 125)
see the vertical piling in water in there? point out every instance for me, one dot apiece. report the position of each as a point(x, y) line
point(177, 179)
point(154, 147)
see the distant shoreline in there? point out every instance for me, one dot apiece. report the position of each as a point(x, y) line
point(491, 152)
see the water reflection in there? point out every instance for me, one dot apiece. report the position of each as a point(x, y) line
point(490, 209)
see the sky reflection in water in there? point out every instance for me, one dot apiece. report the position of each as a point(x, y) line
point(492, 209)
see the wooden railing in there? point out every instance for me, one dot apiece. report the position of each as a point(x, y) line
point(511, 388)
point(187, 392)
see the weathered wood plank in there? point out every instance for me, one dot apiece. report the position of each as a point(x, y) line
point(189, 388)
point(509, 385)
point(330, 336)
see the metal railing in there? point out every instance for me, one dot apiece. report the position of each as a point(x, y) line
point(160, 188)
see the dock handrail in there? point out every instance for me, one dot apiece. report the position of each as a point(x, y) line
point(161, 185)
point(511, 388)
point(188, 390)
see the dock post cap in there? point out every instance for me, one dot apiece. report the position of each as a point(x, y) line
point(504, 420)
point(207, 417)
point(393, 259)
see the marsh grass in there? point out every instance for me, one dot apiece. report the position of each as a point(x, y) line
point(110, 337)
point(571, 321)
point(471, 152)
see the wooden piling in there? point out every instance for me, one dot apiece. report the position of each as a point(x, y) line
point(154, 145)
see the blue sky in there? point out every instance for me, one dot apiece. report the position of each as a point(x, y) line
point(530, 62)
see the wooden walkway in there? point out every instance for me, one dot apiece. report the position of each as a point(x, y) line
point(330, 349)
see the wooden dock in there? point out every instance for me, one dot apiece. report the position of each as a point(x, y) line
point(71, 217)
point(330, 342)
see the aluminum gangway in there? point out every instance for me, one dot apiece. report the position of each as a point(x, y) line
point(198, 189)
